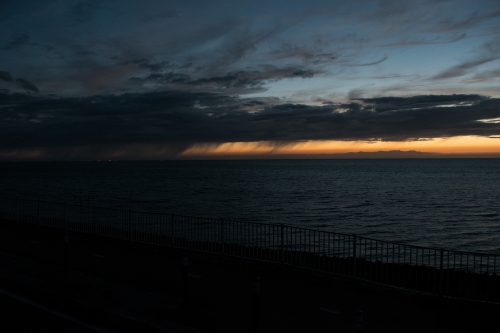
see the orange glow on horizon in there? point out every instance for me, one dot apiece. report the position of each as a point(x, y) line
point(455, 145)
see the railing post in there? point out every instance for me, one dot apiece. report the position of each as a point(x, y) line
point(222, 237)
point(172, 230)
point(358, 322)
point(66, 255)
point(256, 292)
point(38, 213)
point(282, 254)
point(185, 277)
point(441, 271)
point(95, 221)
point(64, 218)
point(354, 256)
point(130, 226)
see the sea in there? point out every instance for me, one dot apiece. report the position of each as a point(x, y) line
point(449, 203)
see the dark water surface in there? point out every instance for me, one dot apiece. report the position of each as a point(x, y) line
point(451, 203)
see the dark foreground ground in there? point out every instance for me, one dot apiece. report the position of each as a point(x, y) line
point(127, 287)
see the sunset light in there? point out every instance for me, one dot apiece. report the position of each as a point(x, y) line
point(466, 146)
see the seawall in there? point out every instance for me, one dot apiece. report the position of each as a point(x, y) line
point(220, 294)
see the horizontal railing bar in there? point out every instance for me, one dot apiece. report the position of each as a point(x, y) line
point(427, 247)
point(257, 223)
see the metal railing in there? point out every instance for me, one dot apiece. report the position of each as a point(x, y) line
point(457, 274)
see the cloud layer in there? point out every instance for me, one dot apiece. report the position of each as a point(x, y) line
point(174, 121)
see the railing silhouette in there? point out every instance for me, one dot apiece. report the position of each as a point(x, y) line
point(449, 273)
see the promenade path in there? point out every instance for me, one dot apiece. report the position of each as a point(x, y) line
point(134, 287)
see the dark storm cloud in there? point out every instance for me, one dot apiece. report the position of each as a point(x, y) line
point(463, 68)
point(15, 99)
point(179, 120)
point(384, 58)
point(431, 16)
point(312, 54)
point(161, 16)
point(239, 43)
point(85, 10)
point(487, 53)
point(150, 65)
point(17, 41)
point(382, 104)
point(5, 76)
point(448, 22)
point(485, 76)
point(225, 42)
point(27, 85)
point(162, 78)
point(244, 81)
point(439, 39)
point(238, 80)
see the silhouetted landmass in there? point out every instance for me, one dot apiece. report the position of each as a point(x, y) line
point(387, 154)
point(351, 155)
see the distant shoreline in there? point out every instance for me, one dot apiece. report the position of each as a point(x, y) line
point(383, 155)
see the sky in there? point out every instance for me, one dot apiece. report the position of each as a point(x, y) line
point(151, 79)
